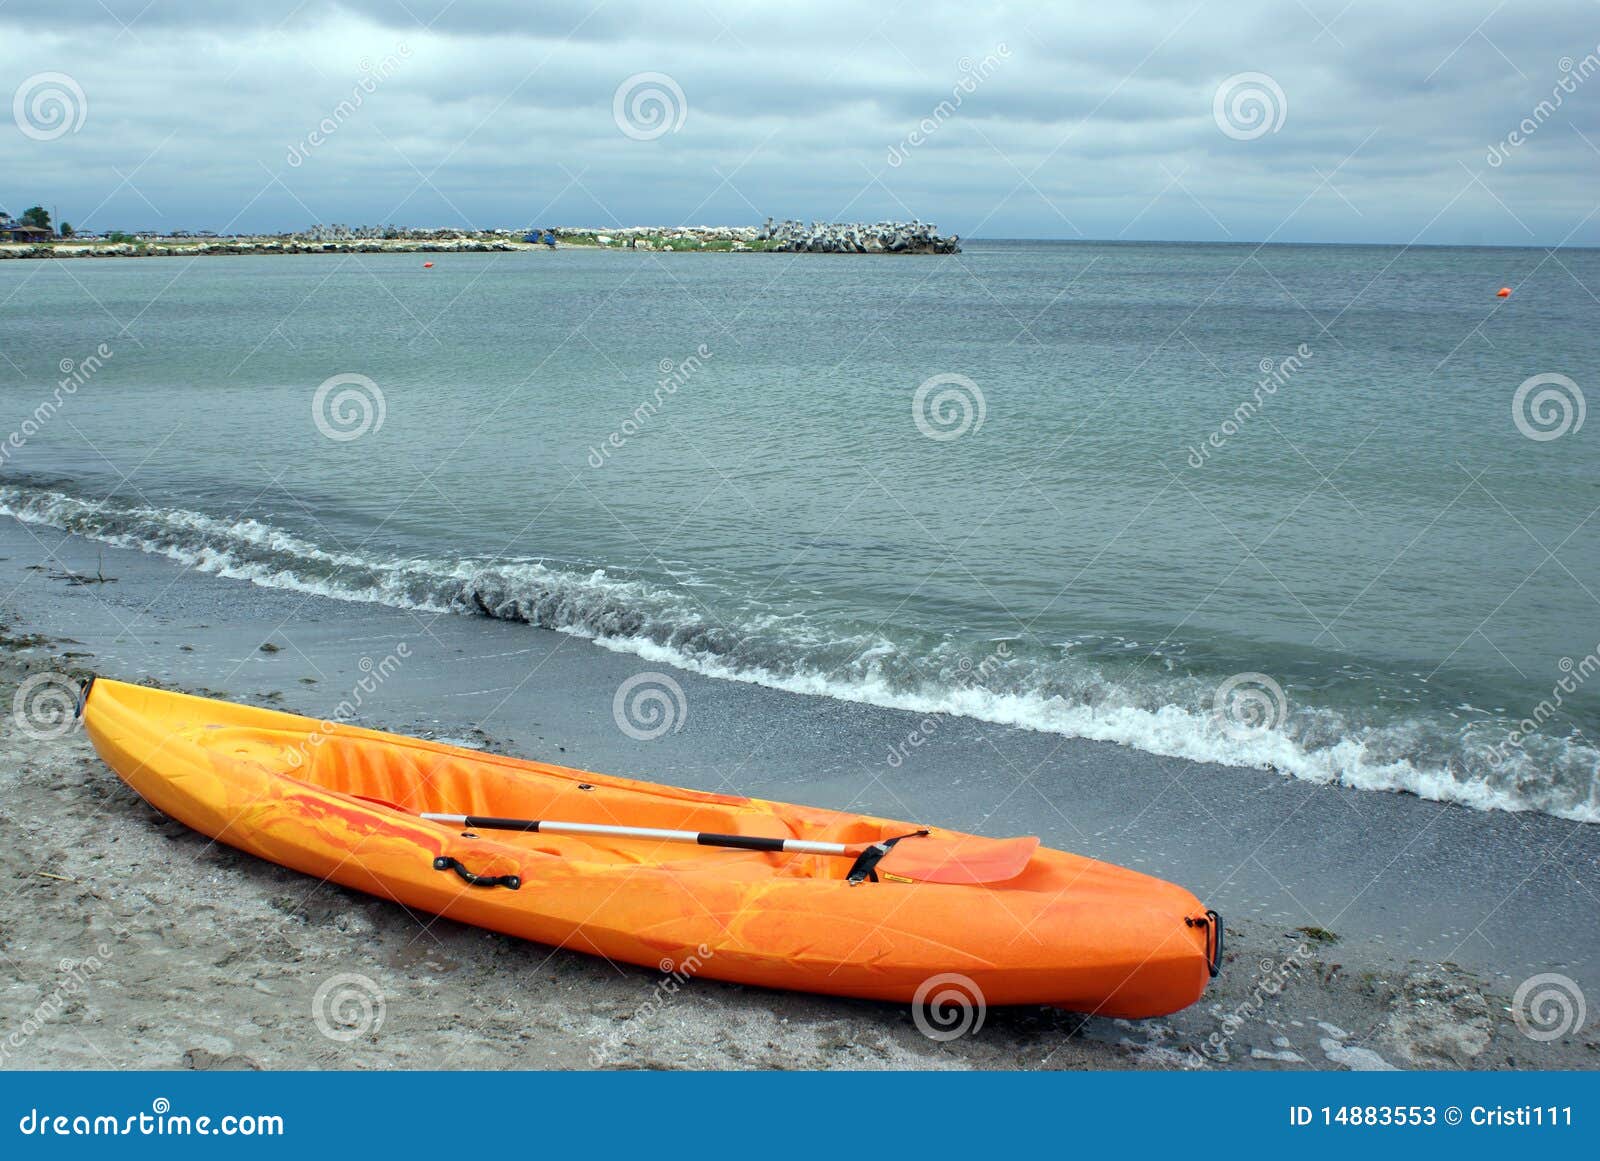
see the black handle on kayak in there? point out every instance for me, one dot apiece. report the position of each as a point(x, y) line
point(1213, 925)
point(446, 863)
point(83, 696)
point(1216, 960)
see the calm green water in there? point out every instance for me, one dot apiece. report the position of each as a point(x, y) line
point(1372, 534)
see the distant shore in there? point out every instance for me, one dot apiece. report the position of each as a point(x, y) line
point(197, 247)
point(786, 237)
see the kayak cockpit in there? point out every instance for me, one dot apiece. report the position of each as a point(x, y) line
point(418, 780)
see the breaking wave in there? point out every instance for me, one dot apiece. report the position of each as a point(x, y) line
point(1168, 712)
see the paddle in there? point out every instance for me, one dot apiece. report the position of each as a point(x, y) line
point(917, 856)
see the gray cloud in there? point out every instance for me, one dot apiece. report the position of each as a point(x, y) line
point(1094, 120)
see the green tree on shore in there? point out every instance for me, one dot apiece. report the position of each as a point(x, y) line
point(66, 229)
point(36, 216)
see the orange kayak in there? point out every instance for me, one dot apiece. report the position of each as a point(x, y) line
point(345, 804)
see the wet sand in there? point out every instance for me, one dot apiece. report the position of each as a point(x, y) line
point(1366, 929)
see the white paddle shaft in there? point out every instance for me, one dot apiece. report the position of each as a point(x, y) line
point(602, 830)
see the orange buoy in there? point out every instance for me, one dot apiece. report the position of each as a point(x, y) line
point(429, 266)
point(1503, 292)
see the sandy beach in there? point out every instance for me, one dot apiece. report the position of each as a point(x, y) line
point(1361, 935)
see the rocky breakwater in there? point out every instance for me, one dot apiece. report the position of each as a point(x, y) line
point(914, 237)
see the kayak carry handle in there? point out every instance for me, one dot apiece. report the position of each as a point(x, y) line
point(446, 863)
point(1212, 922)
point(83, 697)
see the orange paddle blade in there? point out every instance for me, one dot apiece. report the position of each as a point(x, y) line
point(967, 860)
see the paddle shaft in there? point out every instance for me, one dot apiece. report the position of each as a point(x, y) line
point(743, 842)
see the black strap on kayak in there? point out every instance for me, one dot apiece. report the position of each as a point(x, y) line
point(446, 863)
point(865, 868)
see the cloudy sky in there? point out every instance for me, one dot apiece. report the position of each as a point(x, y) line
point(1286, 120)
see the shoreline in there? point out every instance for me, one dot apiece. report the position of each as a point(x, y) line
point(789, 238)
point(1293, 994)
point(236, 247)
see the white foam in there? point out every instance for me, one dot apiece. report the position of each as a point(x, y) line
point(591, 605)
point(1171, 731)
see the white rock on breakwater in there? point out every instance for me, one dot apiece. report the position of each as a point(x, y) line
point(914, 237)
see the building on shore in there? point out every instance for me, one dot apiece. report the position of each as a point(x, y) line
point(11, 231)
